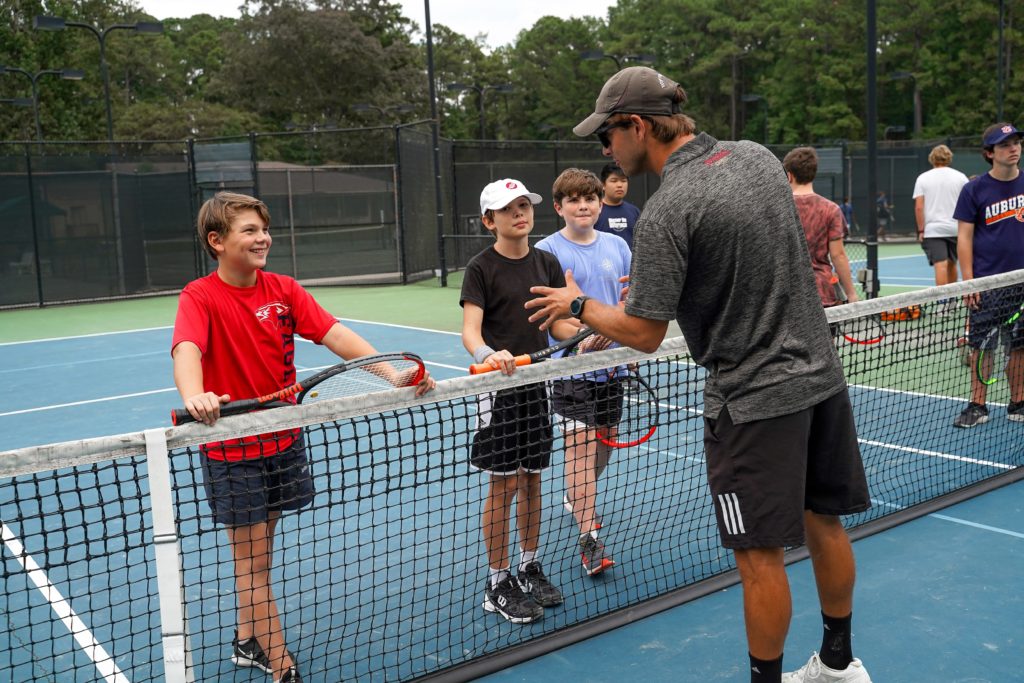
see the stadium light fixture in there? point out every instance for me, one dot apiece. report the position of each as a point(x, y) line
point(48, 23)
point(480, 91)
point(66, 74)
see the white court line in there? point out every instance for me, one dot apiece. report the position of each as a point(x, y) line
point(954, 520)
point(80, 362)
point(104, 663)
point(937, 454)
point(82, 403)
point(86, 336)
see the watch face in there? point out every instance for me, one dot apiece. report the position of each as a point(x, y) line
point(576, 307)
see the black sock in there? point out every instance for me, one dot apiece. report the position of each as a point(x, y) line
point(765, 670)
point(836, 650)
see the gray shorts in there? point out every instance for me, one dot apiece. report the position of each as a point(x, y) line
point(939, 249)
point(764, 474)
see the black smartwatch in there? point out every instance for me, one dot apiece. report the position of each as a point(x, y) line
point(576, 307)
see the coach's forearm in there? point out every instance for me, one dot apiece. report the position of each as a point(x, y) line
point(613, 322)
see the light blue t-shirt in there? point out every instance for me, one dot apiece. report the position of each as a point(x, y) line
point(596, 267)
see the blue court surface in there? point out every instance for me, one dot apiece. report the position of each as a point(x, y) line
point(937, 598)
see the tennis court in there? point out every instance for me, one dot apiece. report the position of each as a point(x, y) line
point(399, 533)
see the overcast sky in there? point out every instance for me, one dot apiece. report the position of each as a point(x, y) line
point(501, 21)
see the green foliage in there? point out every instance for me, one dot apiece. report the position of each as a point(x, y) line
point(305, 62)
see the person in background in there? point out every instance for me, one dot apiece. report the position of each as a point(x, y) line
point(935, 195)
point(990, 241)
point(617, 215)
point(824, 228)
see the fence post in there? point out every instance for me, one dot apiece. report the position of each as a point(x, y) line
point(254, 165)
point(400, 207)
point(35, 230)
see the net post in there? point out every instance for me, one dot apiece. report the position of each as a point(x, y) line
point(173, 628)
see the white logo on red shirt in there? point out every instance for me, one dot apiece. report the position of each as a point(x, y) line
point(275, 308)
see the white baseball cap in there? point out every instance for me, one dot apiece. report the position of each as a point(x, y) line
point(500, 193)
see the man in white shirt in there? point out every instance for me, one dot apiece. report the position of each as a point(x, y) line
point(935, 195)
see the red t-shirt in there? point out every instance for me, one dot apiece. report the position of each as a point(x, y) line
point(247, 338)
point(823, 222)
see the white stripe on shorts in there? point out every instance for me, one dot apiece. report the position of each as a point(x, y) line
point(731, 515)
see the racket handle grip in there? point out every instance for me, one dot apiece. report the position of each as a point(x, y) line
point(479, 368)
point(180, 416)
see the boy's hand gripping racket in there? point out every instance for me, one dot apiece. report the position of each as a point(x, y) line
point(537, 356)
point(351, 378)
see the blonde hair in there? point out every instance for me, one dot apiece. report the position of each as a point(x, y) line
point(940, 156)
point(216, 214)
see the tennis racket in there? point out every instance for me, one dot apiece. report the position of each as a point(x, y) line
point(537, 356)
point(639, 417)
point(865, 331)
point(351, 378)
point(993, 354)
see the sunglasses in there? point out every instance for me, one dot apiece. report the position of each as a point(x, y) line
point(602, 132)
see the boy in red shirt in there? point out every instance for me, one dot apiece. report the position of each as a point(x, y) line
point(234, 339)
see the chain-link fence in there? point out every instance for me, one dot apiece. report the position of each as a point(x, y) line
point(99, 220)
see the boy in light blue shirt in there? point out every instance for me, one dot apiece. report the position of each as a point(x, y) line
point(600, 265)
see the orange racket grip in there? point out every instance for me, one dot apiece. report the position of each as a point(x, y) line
point(479, 368)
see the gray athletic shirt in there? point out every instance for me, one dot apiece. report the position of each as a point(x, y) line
point(719, 248)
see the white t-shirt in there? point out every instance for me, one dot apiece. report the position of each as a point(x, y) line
point(940, 188)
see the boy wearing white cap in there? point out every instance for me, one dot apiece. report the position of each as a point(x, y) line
point(514, 435)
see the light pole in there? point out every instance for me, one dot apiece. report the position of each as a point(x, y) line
point(480, 90)
point(383, 111)
point(44, 23)
point(66, 74)
point(1002, 62)
point(754, 97)
point(598, 54)
point(903, 76)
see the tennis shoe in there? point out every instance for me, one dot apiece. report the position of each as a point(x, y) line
point(1015, 411)
point(816, 672)
point(290, 676)
point(532, 579)
point(509, 600)
point(592, 553)
point(248, 653)
point(972, 416)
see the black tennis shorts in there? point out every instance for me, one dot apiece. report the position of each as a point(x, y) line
point(939, 249)
point(764, 474)
point(245, 492)
point(513, 431)
point(594, 404)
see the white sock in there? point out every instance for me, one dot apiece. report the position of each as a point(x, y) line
point(498, 575)
point(527, 556)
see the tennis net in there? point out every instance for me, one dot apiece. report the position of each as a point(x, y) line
point(114, 570)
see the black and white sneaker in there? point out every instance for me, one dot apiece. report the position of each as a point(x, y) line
point(509, 600)
point(972, 416)
point(532, 579)
point(248, 653)
point(291, 676)
point(1015, 411)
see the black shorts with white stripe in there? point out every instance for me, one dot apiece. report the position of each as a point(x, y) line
point(764, 474)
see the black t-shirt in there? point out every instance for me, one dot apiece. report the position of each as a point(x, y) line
point(501, 286)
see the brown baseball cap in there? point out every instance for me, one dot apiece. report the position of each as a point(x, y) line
point(634, 90)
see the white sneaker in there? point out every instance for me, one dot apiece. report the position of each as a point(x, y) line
point(816, 672)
